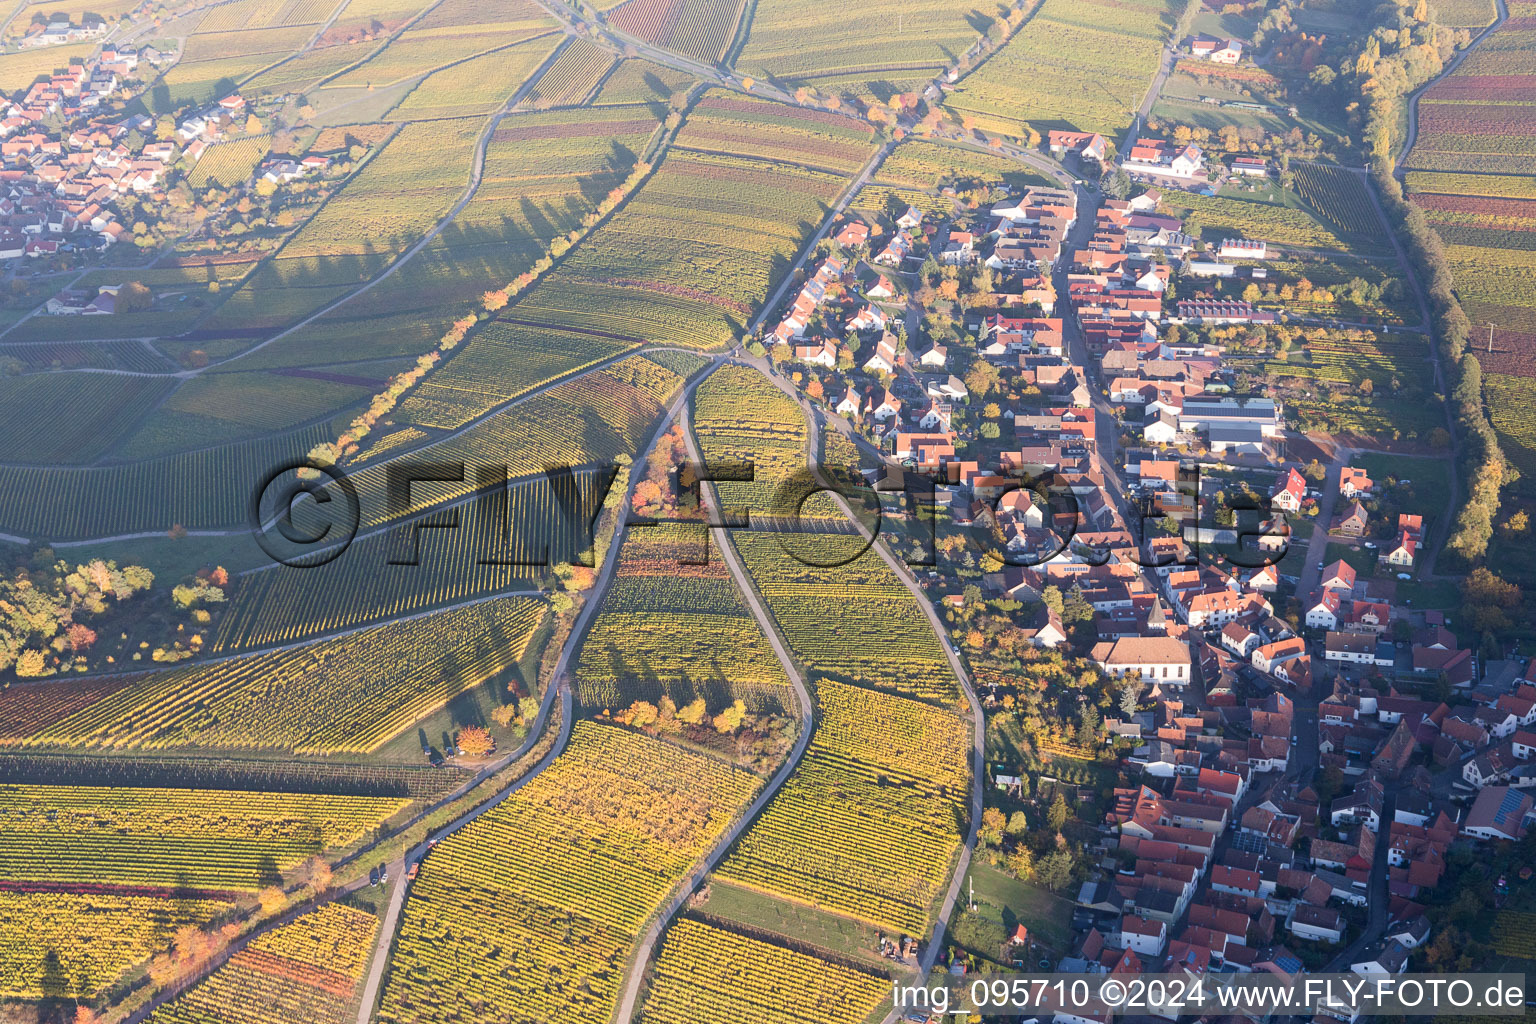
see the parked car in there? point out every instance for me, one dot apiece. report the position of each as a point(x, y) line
point(373, 876)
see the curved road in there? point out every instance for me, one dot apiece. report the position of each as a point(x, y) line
point(1450, 66)
point(932, 947)
point(638, 971)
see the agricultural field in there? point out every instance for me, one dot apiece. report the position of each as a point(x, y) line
point(701, 29)
point(229, 163)
point(221, 840)
point(536, 904)
point(1078, 64)
point(1515, 934)
point(1478, 118)
point(1363, 383)
point(707, 970)
point(543, 174)
point(450, 32)
point(860, 828)
point(1509, 406)
point(477, 86)
point(106, 407)
point(212, 64)
point(743, 126)
point(817, 45)
point(668, 627)
point(572, 77)
point(1278, 218)
point(690, 256)
point(923, 164)
point(740, 416)
point(19, 70)
point(348, 695)
point(852, 621)
point(63, 503)
point(96, 937)
point(1338, 197)
point(640, 81)
point(306, 972)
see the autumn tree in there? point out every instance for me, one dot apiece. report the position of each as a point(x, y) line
point(475, 741)
point(992, 825)
point(694, 713)
point(1056, 814)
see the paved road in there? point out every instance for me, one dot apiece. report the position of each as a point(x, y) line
point(1450, 66)
point(935, 943)
point(1149, 100)
point(1310, 575)
point(638, 969)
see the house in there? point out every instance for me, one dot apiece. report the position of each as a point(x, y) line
point(1401, 553)
point(1338, 576)
point(884, 359)
point(1288, 492)
point(1250, 165)
point(1142, 935)
point(1154, 659)
point(881, 289)
point(855, 232)
point(936, 356)
point(1498, 813)
point(850, 405)
point(824, 354)
point(1352, 522)
point(883, 405)
point(1216, 50)
point(1316, 924)
point(1382, 958)
point(1223, 311)
point(1353, 482)
point(1353, 648)
point(1157, 156)
point(869, 318)
point(1087, 145)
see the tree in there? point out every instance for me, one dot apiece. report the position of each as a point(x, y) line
point(1056, 814)
point(730, 719)
point(1054, 870)
point(1018, 824)
point(694, 713)
point(271, 900)
point(1251, 293)
point(1118, 184)
point(1130, 696)
point(1051, 598)
point(1020, 862)
point(992, 825)
point(317, 874)
point(475, 741)
point(133, 297)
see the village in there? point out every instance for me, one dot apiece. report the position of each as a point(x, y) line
point(1306, 747)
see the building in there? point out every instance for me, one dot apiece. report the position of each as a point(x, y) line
point(1155, 659)
point(1500, 812)
point(1243, 249)
point(1250, 165)
point(1223, 311)
point(1316, 924)
point(1353, 482)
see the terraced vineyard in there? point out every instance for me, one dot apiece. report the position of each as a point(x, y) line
point(529, 913)
point(633, 649)
point(340, 696)
point(204, 839)
point(306, 972)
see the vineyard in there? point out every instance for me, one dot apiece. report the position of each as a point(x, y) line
point(476, 86)
point(1362, 383)
point(96, 936)
point(1083, 64)
point(1339, 197)
point(572, 77)
point(674, 628)
point(701, 29)
point(229, 163)
point(1515, 934)
point(804, 41)
point(743, 126)
point(872, 816)
point(305, 972)
point(66, 503)
point(1278, 224)
point(707, 972)
point(690, 255)
point(739, 416)
point(450, 32)
point(214, 839)
point(541, 178)
point(922, 164)
point(349, 695)
point(104, 407)
point(536, 904)
point(854, 622)
point(1510, 407)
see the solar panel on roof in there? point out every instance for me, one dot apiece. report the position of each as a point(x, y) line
point(1511, 803)
point(1289, 964)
